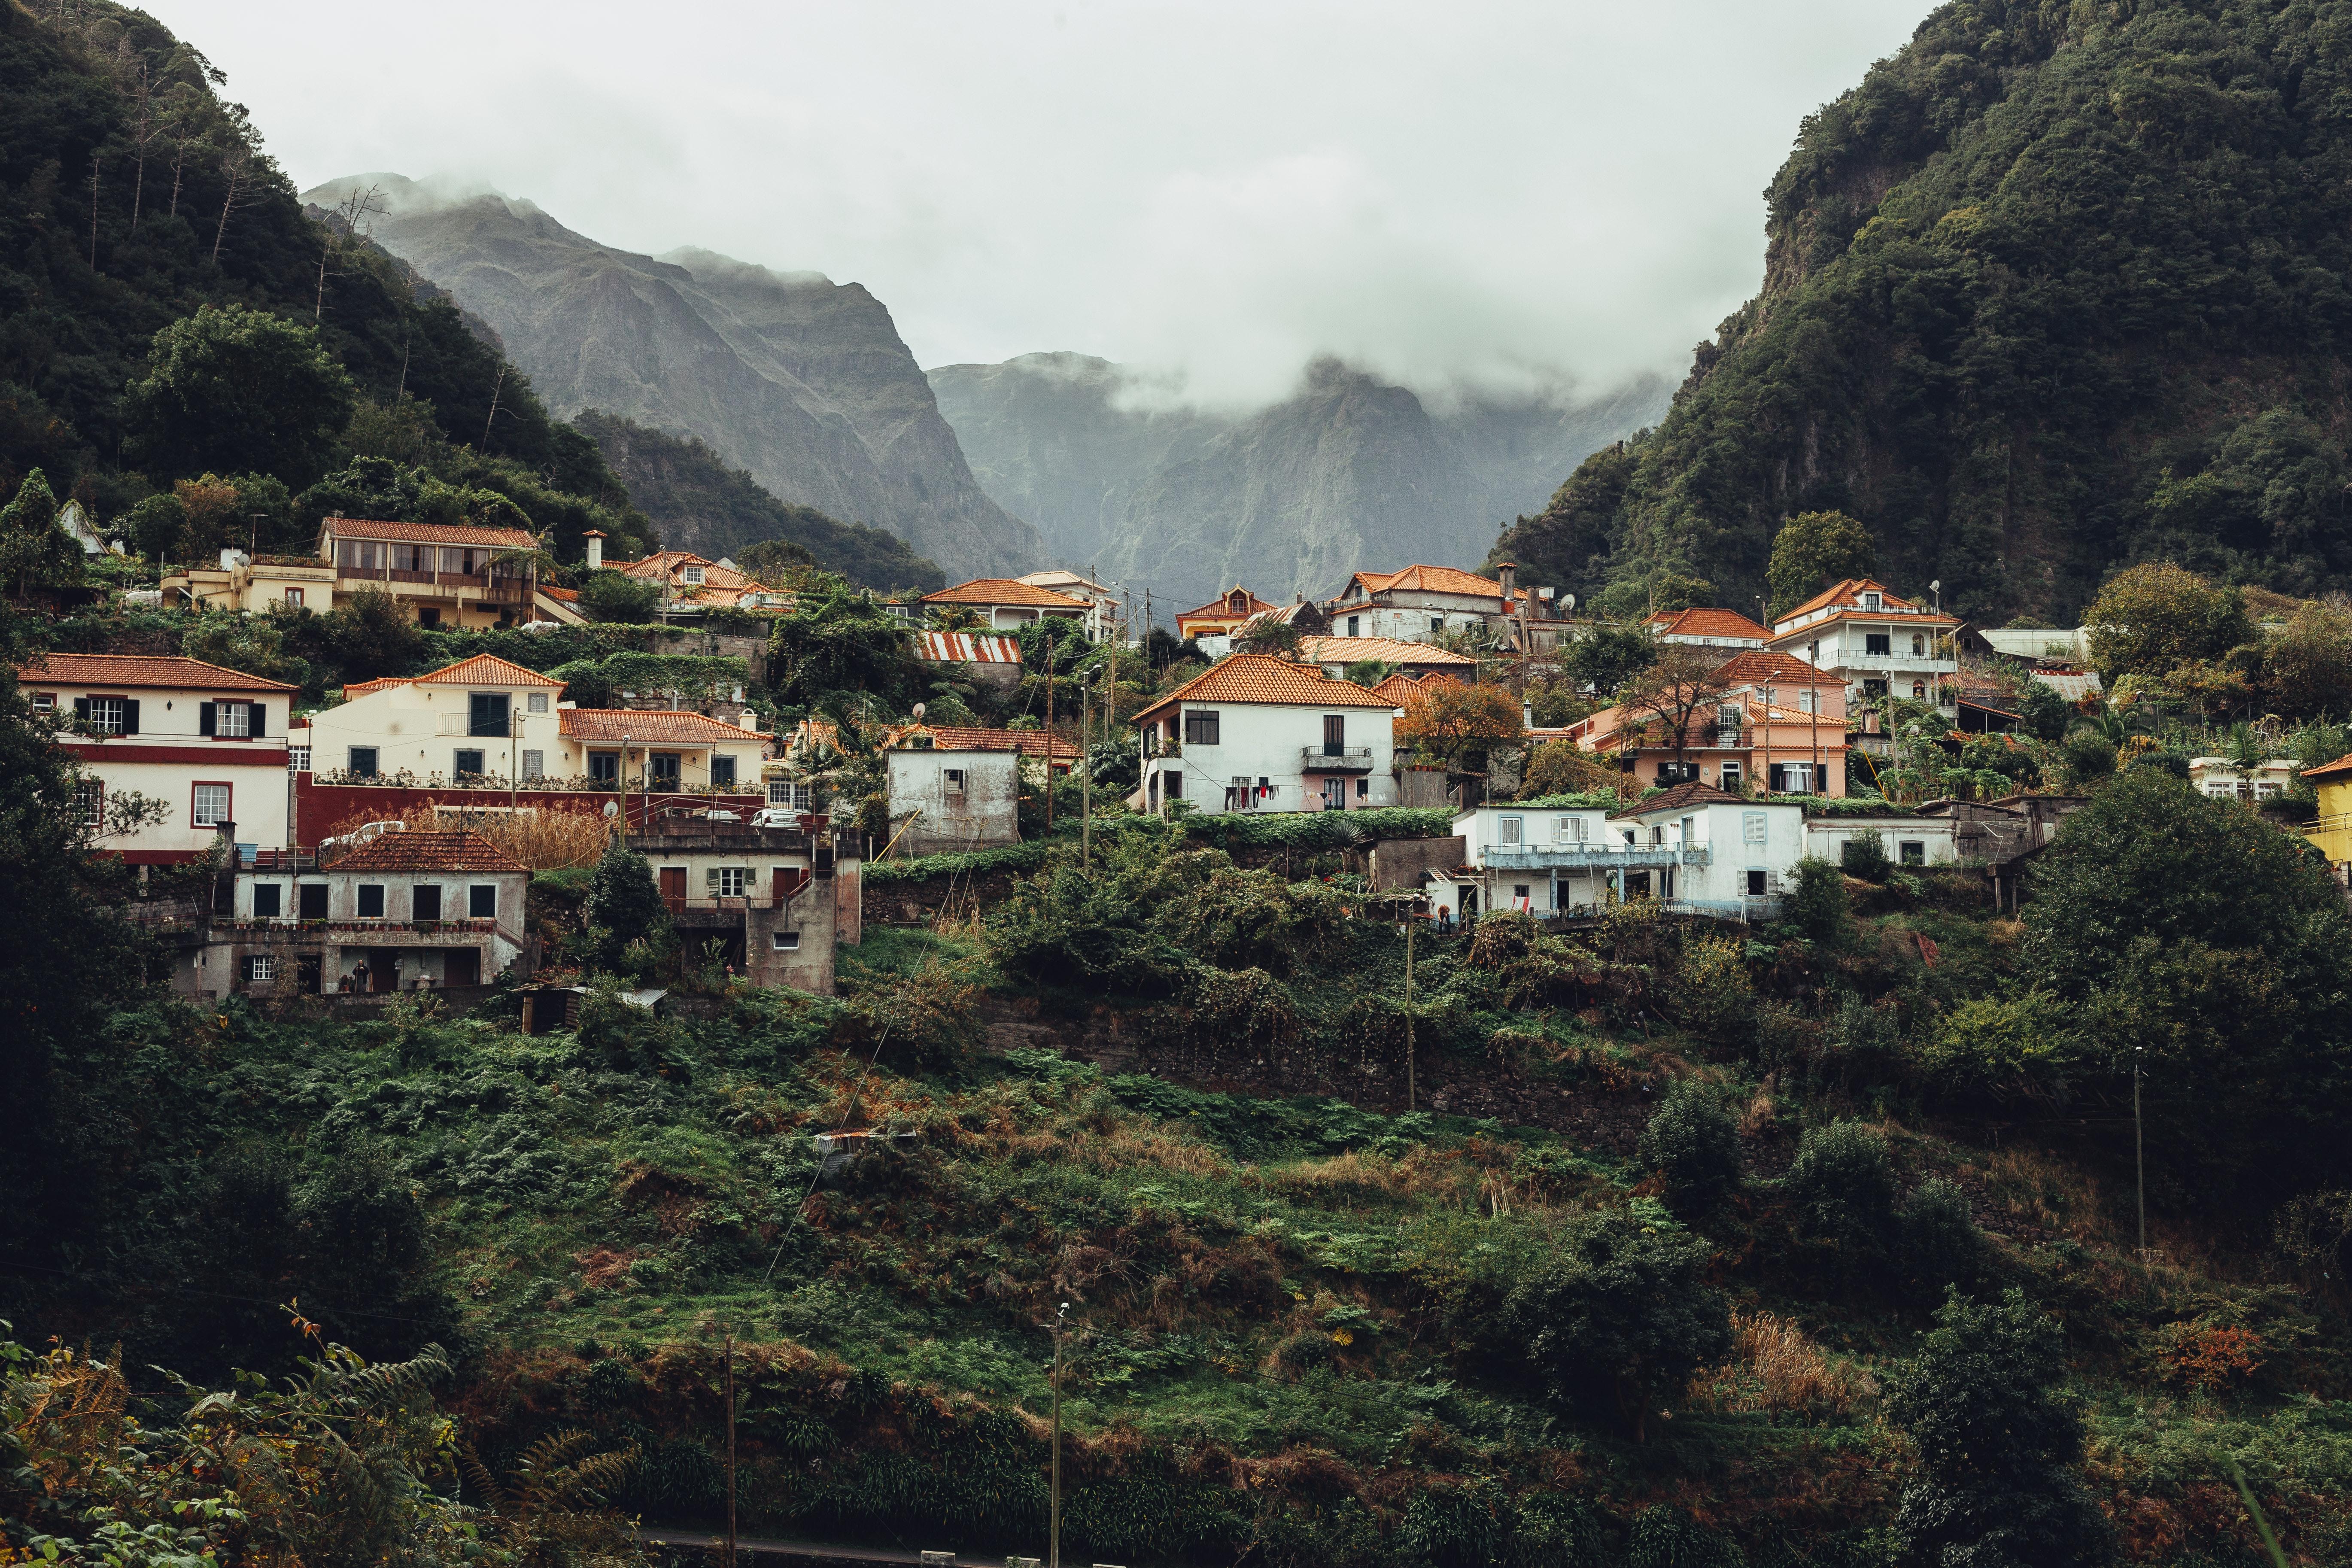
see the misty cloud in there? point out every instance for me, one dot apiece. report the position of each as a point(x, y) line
point(1500, 200)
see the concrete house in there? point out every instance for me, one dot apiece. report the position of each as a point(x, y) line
point(1007, 604)
point(1877, 642)
point(1726, 629)
point(776, 900)
point(1780, 725)
point(439, 574)
point(1541, 861)
point(1221, 616)
point(1259, 734)
point(1416, 603)
point(1910, 840)
point(395, 911)
point(1703, 851)
point(953, 789)
point(209, 743)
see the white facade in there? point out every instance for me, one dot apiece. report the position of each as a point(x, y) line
point(2224, 780)
point(1879, 644)
point(1907, 840)
point(1734, 856)
point(1272, 757)
point(1541, 861)
point(1417, 617)
point(208, 744)
point(944, 801)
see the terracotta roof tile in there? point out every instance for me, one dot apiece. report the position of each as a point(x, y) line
point(1218, 605)
point(1431, 580)
point(1003, 591)
point(651, 726)
point(1841, 596)
point(1761, 665)
point(427, 532)
point(1705, 623)
point(1349, 651)
point(1261, 678)
point(142, 671)
point(961, 737)
point(414, 851)
point(1676, 798)
point(487, 670)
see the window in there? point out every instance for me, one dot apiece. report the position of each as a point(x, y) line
point(371, 905)
point(310, 900)
point(1519, 892)
point(690, 574)
point(785, 795)
point(208, 804)
point(1809, 700)
point(727, 882)
point(663, 770)
point(1727, 715)
point(258, 968)
point(428, 618)
point(1918, 690)
point(89, 799)
point(1172, 785)
point(1658, 833)
point(298, 759)
point(1200, 726)
point(1352, 621)
point(269, 898)
point(45, 701)
point(229, 720)
point(952, 782)
point(534, 764)
point(482, 900)
point(1437, 623)
point(1877, 644)
point(1872, 602)
point(362, 762)
point(486, 714)
point(536, 702)
point(722, 773)
point(1363, 789)
point(1677, 773)
point(1731, 777)
point(1514, 831)
point(105, 714)
point(1755, 882)
point(1918, 644)
point(1569, 829)
point(293, 599)
point(604, 767)
point(1911, 852)
point(466, 764)
point(428, 902)
point(786, 940)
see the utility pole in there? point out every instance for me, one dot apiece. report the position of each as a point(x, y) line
point(1049, 724)
point(1054, 1539)
point(1085, 778)
point(2140, 1153)
point(1409, 1085)
point(730, 1446)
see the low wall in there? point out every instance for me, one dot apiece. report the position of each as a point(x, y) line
point(319, 809)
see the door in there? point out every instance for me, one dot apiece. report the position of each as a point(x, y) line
point(487, 714)
point(673, 888)
point(461, 966)
point(1334, 734)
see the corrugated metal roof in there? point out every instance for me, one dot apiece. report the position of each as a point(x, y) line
point(966, 647)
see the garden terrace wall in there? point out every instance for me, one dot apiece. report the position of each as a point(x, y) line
point(319, 809)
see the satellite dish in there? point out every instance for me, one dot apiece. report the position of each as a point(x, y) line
point(612, 808)
point(1569, 600)
point(919, 712)
point(1936, 586)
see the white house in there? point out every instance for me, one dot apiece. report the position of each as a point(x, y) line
point(486, 719)
point(1707, 628)
point(1416, 603)
point(1260, 733)
point(1705, 852)
point(1878, 643)
point(1907, 840)
point(209, 743)
point(954, 789)
point(440, 575)
point(2224, 780)
point(395, 911)
point(1541, 861)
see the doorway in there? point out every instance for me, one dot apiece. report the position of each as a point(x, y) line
point(673, 888)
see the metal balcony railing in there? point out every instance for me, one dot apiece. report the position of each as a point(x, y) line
point(1331, 759)
point(1618, 857)
point(472, 729)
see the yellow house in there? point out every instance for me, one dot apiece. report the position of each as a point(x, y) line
point(459, 576)
point(2331, 830)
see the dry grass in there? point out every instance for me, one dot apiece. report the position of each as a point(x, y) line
point(1775, 1366)
point(2042, 1190)
point(541, 837)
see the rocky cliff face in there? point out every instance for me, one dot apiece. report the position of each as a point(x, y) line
point(1347, 473)
point(803, 381)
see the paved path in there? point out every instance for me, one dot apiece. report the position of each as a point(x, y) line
point(826, 1550)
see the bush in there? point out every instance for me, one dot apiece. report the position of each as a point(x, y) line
point(1841, 1187)
point(625, 907)
point(1713, 996)
point(2172, 763)
point(2088, 756)
point(1941, 1244)
point(616, 596)
point(1819, 909)
point(1864, 856)
point(1620, 1319)
point(1694, 1143)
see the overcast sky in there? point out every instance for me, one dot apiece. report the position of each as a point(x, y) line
point(1447, 192)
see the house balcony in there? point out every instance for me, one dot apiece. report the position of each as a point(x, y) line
point(1590, 857)
point(1329, 759)
point(495, 587)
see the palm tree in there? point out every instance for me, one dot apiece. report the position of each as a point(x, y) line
point(2112, 724)
point(1368, 672)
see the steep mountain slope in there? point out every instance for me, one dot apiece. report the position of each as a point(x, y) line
point(1348, 472)
point(2058, 287)
point(701, 504)
point(802, 381)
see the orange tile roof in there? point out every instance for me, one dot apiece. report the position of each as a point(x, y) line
point(427, 851)
point(1701, 623)
point(651, 726)
point(1219, 606)
point(1678, 797)
point(1764, 666)
point(381, 683)
point(1402, 690)
point(961, 738)
point(1351, 650)
point(1843, 594)
point(1003, 591)
point(561, 595)
point(427, 532)
point(487, 670)
point(1261, 678)
point(1430, 579)
point(2341, 765)
point(142, 671)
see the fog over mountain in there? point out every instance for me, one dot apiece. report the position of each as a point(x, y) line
point(1348, 472)
point(802, 380)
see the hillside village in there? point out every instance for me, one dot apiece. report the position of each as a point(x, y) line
point(1725, 1033)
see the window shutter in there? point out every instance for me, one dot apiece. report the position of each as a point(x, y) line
point(259, 710)
point(82, 709)
point(131, 716)
point(206, 719)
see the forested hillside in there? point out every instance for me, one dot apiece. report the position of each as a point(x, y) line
point(2060, 287)
point(700, 504)
point(132, 195)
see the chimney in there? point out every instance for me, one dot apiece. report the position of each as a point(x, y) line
point(1506, 573)
point(595, 550)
